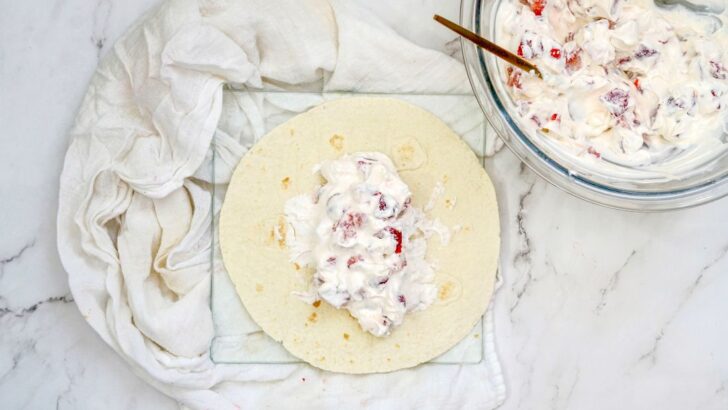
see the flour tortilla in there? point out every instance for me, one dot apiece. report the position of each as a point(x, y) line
point(425, 150)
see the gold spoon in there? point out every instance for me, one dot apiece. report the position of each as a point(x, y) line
point(489, 46)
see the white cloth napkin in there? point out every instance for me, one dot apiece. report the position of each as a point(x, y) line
point(134, 212)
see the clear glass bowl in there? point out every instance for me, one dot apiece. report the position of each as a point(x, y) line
point(633, 189)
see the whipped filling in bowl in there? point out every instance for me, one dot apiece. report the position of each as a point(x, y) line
point(625, 82)
point(364, 241)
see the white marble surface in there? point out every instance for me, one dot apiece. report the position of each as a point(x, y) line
point(601, 309)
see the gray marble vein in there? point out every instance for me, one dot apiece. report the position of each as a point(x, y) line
point(101, 16)
point(650, 356)
point(14, 257)
point(613, 281)
point(522, 259)
point(19, 313)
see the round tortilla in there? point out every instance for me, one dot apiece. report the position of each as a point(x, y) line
point(425, 151)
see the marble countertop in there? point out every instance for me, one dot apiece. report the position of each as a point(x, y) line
point(600, 309)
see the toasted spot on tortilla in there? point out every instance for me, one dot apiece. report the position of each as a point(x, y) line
point(337, 141)
point(408, 154)
point(445, 291)
point(280, 231)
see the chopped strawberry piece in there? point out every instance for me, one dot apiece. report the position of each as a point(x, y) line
point(637, 84)
point(531, 45)
point(397, 234)
point(555, 117)
point(618, 101)
point(714, 93)
point(624, 60)
point(349, 224)
point(594, 152)
point(537, 7)
point(555, 53)
point(514, 78)
point(382, 203)
point(573, 60)
point(644, 52)
point(353, 260)
point(402, 299)
point(718, 70)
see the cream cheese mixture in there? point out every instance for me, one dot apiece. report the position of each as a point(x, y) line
point(624, 81)
point(365, 241)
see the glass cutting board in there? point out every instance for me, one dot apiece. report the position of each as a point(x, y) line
point(246, 117)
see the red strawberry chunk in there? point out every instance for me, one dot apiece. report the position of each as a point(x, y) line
point(382, 203)
point(514, 78)
point(349, 224)
point(637, 84)
point(353, 261)
point(555, 53)
point(573, 60)
point(537, 7)
point(618, 101)
point(397, 234)
point(644, 52)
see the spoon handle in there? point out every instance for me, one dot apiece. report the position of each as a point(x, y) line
point(489, 46)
